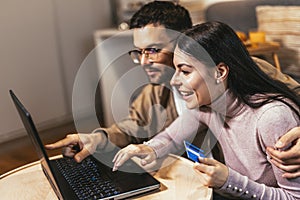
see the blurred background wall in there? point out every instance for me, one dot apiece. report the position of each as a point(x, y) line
point(42, 44)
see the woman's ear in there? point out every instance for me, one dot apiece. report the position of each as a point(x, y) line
point(221, 73)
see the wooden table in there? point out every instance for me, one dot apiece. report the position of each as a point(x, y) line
point(266, 48)
point(178, 181)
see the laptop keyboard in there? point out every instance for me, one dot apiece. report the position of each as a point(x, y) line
point(86, 179)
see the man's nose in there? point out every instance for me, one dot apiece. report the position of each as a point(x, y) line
point(145, 59)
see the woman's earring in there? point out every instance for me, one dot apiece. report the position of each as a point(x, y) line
point(218, 81)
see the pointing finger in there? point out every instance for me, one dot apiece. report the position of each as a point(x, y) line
point(68, 140)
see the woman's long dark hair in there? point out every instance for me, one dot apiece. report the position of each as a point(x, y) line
point(245, 78)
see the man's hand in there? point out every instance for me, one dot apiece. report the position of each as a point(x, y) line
point(79, 145)
point(214, 172)
point(289, 159)
point(141, 150)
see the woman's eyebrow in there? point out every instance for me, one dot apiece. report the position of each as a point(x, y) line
point(183, 64)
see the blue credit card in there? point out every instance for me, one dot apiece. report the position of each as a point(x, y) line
point(193, 152)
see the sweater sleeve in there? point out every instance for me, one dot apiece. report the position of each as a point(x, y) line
point(242, 187)
point(273, 123)
point(171, 140)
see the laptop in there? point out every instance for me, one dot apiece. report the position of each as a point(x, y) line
point(90, 179)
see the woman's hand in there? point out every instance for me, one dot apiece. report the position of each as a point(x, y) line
point(143, 151)
point(79, 145)
point(215, 173)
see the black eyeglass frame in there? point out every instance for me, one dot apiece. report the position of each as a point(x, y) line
point(138, 53)
point(147, 51)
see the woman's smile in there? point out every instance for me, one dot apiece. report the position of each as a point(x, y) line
point(186, 94)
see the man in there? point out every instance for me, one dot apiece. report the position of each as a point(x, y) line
point(154, 44)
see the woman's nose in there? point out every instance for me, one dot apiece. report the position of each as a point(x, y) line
point(175, 81)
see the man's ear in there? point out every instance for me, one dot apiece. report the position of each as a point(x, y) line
point(222, 71)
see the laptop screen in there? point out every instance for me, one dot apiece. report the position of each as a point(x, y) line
point(33, 134)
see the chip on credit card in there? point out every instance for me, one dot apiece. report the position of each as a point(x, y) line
point(193, 152)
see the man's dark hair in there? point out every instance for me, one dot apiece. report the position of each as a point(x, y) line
point(165, 13)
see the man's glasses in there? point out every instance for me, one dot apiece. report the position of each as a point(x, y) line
point(150, 53)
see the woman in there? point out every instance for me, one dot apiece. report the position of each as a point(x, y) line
point(245, 109)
